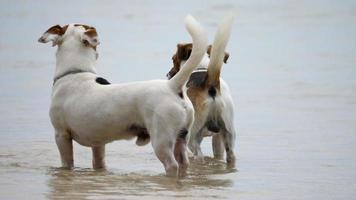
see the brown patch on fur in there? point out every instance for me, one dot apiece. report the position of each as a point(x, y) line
point(226, 57)
point(57, 29)
point(91, 32)
point(64, 28)
point(197, 96)
point(214, 76)
point(86, 27)
point(182, 53)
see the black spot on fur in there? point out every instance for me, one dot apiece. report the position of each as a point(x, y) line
point(212, 92)
point(139, 130)
point(180, 94)
point(227, 149)
point(142, 134)
point(213, 126)
point(183, 133)
point(102, 81)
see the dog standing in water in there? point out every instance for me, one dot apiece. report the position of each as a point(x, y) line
point(210, 95)
point(88, 109)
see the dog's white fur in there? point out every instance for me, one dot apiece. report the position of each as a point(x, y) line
point(94, 115)
point(221, 107)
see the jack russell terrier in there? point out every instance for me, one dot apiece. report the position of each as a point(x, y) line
point(210, 95)
point(88, 109)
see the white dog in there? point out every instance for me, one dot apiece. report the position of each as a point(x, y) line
point(89, 110)
point(210, 95)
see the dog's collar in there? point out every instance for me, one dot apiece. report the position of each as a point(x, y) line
point(198, 77)
point(75, 71)
point(200, 69)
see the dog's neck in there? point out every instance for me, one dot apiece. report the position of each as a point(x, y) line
point(72, 55)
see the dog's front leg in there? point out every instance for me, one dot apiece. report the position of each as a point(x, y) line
point(98, 157)
point(65, 147)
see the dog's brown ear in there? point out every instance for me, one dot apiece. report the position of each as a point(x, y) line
point(226, 57)
point(184, 51)
point(90, 37)
point(53, 34)
point(175, 68)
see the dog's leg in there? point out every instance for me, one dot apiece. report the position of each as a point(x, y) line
point(65, 147)
point(180, 154)
point(98, 157)
point(163, 147)
point(229, 139)
point(194, 145)
point(218, 146)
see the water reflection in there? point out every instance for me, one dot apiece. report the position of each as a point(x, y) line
point(82, 183)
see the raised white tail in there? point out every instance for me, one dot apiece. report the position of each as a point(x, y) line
point(200, 44)
point(218, 51)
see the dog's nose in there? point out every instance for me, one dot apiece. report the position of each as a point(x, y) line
point(41, 39)
point(168, 75)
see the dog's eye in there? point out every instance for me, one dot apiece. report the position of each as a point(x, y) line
point(86, 42)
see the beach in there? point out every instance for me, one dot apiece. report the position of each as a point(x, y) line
point(291, 71)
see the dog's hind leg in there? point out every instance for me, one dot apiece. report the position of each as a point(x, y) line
point(194, 145)
point(65, 147)
point(98, 157)
point(229, 141)
point(229, 134)
point(218, 146)
point(163, 145)
point(180, 152)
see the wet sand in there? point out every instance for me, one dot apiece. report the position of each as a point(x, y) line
point(291, 70)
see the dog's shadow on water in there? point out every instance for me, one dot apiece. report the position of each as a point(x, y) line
point(82, 183)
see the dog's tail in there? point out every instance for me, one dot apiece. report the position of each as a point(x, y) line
point(200, 44)
point(218, 51)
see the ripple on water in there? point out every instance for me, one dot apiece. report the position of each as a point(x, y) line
point(109, 184)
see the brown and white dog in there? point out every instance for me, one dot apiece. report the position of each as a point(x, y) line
point(87, 109)
point(210, 95)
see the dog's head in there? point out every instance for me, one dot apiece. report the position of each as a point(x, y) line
point(68, 34)
point(182, 54)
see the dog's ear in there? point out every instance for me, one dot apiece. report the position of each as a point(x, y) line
point(90, 37)
point(184, 51)
point(175, 68)
point(53, 34)
point(226, 57)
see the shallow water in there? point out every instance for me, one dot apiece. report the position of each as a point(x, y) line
point(291, 70)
